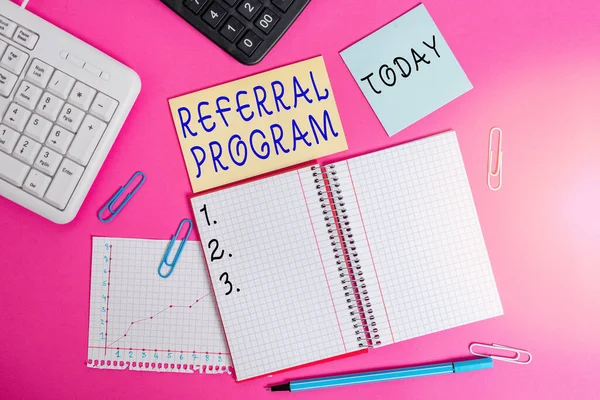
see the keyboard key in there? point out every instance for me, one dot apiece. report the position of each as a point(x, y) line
point(11, 170)
point(36, 183)
point(28, 95)
point(214, 14)
point(59, 139)
point(283, 5)
point(82, 96)
point(37, 128)
point(266, 21)
point(194, 5)
point(8, 139)
point(7, 27)
point(61, 84)
point(249, 8)
point(49, 106)
point(14, 60)
point(3, 46)
point(64, 183)
point(26, 38)
point(47, 161)
point(232, 29)
point(231, 2)
point(39, 73)
point(16, 117)
point(7, 82)
point(70, 117)
point(249, 43)
point(27, 150)
point(86, 140)
point(103, 107)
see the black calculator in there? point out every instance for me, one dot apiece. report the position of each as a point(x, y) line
point(246, 29)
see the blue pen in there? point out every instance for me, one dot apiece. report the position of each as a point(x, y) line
point(387, 375)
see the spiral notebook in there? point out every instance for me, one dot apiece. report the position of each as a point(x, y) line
point(326, 261)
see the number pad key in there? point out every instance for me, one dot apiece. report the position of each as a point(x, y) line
point(14, 60)
point(214, 15)
point(28, 95)
point(36, 183)
point(47, 161)
point(266, 21)
point(86, 140)
point(49, 106)
point(103, 107)
point(11, 170)
point(16, 117)
point(8, 139)
point(283, 5)
point(70, 117)
point(249, 8)
point(59, 139)
point(249, 43)
point(82, 96)
point(61, 84)
point(232, 29)
point(27, 150)
point(39, 73)
point(37, 128)
point(194, 5)
point(63, 184)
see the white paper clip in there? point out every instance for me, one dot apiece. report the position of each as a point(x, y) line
point(497, 172)
point(520, 357)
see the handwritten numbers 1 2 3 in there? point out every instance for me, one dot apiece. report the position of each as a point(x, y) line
point(217, 254)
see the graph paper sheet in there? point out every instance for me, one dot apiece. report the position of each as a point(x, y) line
point(419, 239)
point(276, 281)
point(141, 321)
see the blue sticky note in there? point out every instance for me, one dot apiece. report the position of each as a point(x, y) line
point(406, 70)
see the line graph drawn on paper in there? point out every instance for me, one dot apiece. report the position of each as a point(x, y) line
point(141, 321)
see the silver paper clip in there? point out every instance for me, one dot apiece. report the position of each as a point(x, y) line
point(497, 172)
point(172, 264)
point(520, 357)
point(111, 203)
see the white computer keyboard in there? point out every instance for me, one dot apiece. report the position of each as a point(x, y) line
point(62, 104)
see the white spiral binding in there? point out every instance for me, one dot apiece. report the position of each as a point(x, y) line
point(346, 255)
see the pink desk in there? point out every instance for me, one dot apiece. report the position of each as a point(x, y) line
point(534, 66)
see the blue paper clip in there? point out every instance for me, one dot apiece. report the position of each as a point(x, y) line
point(178, 254)
point(110, 205)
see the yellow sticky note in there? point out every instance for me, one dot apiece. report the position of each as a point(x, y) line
point(258, 124)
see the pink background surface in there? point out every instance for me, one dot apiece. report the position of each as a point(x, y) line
point(534, 66)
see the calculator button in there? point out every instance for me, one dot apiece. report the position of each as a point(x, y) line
point(14, 60)
point(47, 161)
point(82, 96)
point(194, 5)
point(266, 21)
point(64, 183)
point(70, 117)
point(103, 107)
point(16, 117)
point(61, 84)
point(7, 27)
point(26, 150)
point(283, 5)
point(249, 8)
point(37, 128)
point(36, 183)
point(86, 140)
point(214, 15)
point(26, 38)
point(28, 95)
point(231, 2)
point(7, 82)
point(39, 73)
point(12, 170)
point(59, 139)
point(49, 106)
point(249, 43)
point(8, 139)
point(232, 29)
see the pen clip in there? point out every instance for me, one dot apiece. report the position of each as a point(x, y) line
point(520, 357)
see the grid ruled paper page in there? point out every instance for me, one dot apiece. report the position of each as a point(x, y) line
point(422, 239)
point(141, 321)
point(277, 287)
